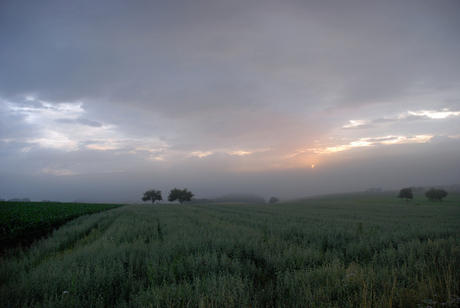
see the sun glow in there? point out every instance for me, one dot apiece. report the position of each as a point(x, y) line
point(354, 124)
point(240, 153)
point(201, 154)
point(404, 139)
point(366, 142)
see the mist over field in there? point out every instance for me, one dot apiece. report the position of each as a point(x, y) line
point(102, 102)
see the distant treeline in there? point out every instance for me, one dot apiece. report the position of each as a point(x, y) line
point(421, 189)
point(25, 200)
point(244, 198)
point(17, 200)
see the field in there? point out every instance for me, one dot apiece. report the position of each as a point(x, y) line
point(24, 221)
point(352, 250)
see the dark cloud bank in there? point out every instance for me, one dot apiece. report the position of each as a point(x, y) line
point(102, 101)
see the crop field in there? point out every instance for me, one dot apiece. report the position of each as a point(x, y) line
point(21, 221)
point(352, 250)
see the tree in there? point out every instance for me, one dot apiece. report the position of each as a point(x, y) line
point(180, 195)
point(436, 194)
point(152, 195)
point(273, 200)
point(406, 193)
point(431, 194)
point(441, 194)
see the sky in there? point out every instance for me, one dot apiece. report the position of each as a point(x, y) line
point(101, 101)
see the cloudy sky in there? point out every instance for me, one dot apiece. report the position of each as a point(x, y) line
point(101, 101)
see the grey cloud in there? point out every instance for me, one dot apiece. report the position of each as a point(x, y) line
point(445, 140)
point(88, 122)
point(382, 121)
point(354, 170)
point(12, 156)
point(13, 149)
point(28, 101)
point(82, 121)
point(14, 125)
point(451, 103)
point(65, 121)
point(153, 48)
point(226, 76)
point(411, 118)
point(39, 160)
point(83, 144)
point(408, 118)
point(89, 142)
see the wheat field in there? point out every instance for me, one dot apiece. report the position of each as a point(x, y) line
point(350, 250)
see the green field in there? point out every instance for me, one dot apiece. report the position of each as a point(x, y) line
point(25, 221)
point(351, 250)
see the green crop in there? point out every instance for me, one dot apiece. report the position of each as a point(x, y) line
point(21, 219)
point(353, 250)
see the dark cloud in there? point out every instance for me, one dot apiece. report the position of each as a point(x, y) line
point(66, 51)
point(82, 121)
point(383, 121)
point(65, 121)
point(89, 142)
point(14, 125)
point(448, 141)
point(152, 85)
point(411, 118)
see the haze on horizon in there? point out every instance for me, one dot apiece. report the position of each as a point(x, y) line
point(101, 101)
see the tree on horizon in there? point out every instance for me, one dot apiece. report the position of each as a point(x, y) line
point(436, 194)
point(152, 195)
point(180, 195)
point(273, 200)
point(406, 193)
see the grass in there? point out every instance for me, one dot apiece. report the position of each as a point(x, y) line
point(351, 250)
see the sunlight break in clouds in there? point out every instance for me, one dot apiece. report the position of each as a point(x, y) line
point(230, 152)
point(355, 123)
point(63, 125)
point(46, 111)
point(201, 153)
point(404, 139)
point(329, 150)
point(366, 142)
point(436, 114)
